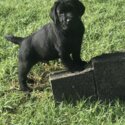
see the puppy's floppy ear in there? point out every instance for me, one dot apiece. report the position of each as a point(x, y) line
point(53, 13)
point(80, 7)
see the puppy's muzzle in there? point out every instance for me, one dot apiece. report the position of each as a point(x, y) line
point(67, 23)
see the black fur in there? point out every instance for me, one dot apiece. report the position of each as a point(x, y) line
point(61, 38)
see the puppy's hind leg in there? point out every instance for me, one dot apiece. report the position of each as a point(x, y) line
point(24, 68)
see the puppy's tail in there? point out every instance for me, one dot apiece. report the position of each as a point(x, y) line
point(14, 39)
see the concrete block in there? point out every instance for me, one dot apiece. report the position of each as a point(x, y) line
point(72, 86)
point(109, 75)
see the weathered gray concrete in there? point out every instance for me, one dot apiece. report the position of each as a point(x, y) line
point(105, 80)
point(109, 73)
point(72, 86)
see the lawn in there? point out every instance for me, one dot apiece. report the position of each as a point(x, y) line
point(105, 33)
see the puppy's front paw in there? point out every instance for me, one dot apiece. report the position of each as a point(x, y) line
point(80, 66)
point(82, 63)
point(76, 68)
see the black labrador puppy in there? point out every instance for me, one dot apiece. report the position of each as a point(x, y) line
point(60, 38)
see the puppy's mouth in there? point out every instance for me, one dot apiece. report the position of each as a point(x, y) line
point(65, 27)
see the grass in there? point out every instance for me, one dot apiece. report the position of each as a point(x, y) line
point(105, 33)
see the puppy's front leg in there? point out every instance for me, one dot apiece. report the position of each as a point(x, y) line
point(79, 64)
point(67, 61)
point(77, 60)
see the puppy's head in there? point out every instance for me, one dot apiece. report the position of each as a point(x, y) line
point(67, 13)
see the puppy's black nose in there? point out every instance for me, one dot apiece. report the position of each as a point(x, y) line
point(68, 21)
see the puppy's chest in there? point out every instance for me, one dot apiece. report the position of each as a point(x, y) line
point(69, 44)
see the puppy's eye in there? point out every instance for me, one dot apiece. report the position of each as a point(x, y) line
point(61, 15)
point(59, 12)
